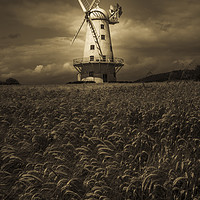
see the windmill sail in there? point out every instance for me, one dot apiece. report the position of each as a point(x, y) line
point(84, 5)
point(92, 4)
point(86, 8)
point(95, 36)
point(75, 36)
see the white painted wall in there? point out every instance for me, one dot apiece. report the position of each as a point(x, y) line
point(106, 45)
point(95, 79)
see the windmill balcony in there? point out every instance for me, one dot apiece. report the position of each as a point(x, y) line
point(114, 61)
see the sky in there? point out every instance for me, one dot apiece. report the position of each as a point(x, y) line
point(153, 36)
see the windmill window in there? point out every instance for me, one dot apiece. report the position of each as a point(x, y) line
point(104, 58)
point(91, 58)
point(91, 47)
point(91, 74)
point(103, 37)
point(102, 26)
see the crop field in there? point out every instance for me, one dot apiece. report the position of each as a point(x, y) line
point(106, 142)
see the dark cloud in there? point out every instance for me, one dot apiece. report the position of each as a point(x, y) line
point(14, 36)
point(163, 27)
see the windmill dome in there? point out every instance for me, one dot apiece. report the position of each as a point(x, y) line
point(99, 14)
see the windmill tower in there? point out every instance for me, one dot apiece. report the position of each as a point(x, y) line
point(98, 63)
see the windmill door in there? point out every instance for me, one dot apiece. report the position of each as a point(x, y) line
point(105, 78)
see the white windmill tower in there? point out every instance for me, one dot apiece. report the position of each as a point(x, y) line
point(98, 63)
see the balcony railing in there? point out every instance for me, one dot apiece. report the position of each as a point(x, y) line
point(118, 61)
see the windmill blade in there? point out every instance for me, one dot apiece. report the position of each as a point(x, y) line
point(92, 4)
point(75, 36)
point(84, 5)
point(95, 36)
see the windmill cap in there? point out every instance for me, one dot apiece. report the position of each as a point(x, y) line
point(99, 13)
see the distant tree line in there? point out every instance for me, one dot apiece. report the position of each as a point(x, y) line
point(10, 81)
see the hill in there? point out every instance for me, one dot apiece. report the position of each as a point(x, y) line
point(173, 76)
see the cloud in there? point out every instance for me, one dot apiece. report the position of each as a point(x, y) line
point(58, 15)
point(163, 27)
point(185, 63)
point(54, 69)
point(43, 59)
point(53, 73)
point(14, 36)
point(50, 73)
point(38, 68)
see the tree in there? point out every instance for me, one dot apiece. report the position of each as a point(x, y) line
point(12, 81)
point(197, 70)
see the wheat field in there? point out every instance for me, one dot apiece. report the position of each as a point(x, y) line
point(106, 142)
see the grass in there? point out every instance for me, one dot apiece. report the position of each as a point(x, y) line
point(106, 141)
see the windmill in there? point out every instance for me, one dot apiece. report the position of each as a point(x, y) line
point(98, 63)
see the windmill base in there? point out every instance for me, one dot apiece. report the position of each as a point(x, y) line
point(95, 79)
point(98, 72)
